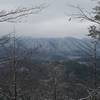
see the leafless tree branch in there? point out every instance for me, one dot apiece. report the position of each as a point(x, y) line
point(12, 15)
point(84, 15)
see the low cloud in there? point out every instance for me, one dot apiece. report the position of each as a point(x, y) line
point(52, 22)
point(59, 27)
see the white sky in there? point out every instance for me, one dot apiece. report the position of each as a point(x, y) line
point(51, 22)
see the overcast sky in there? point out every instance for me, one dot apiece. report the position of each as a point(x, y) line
point(51, 22)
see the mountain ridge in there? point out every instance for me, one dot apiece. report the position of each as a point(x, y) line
point(59, 48)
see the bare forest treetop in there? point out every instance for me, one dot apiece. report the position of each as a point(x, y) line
point(84, 14)
point(15, 15)
point(90, 16)
point(94, 33)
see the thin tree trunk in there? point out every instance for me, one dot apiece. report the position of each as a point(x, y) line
point(14, 69)
point(95, 70)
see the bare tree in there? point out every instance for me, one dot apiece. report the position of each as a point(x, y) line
point(15, 15)
point(94, 33)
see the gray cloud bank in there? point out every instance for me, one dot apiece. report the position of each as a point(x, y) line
point(51, 22)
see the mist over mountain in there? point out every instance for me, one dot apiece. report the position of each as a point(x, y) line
point(58, 48)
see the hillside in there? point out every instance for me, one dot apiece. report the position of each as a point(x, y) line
point(58, 48)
